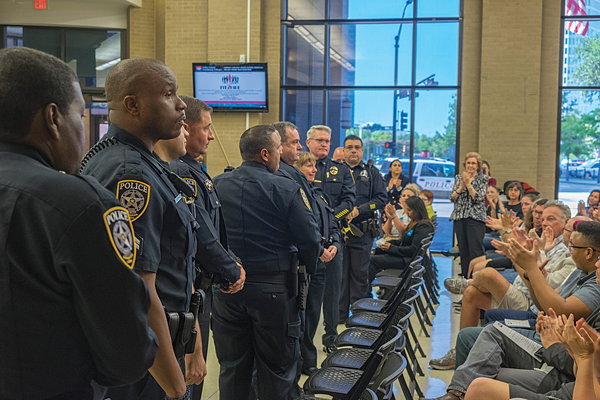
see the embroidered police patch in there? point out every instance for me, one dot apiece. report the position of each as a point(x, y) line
point(120, 233)
point(193, 185)
point(304, 198)
point(333, 170)
point(134, 196)
point(364, 173)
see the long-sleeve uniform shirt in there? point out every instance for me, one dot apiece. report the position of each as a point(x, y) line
point(213, 254)
point(267, 219)
point(370, 191)
point(335, 179)
point(163, 223)
point(70, 306)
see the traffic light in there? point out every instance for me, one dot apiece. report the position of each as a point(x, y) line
point(403, 121)
point(404, 149)
point(390, 145)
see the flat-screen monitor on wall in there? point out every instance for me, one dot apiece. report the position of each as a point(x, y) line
point(232, 87)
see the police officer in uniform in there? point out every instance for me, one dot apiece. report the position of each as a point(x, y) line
point(213, 257)
point(268, 220)
point(330, 240)
point(335, 180)
point(370, 197)
point(144, 108)
point(70, 306)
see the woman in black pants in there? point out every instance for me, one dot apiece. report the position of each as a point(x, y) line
point(397, 254)
point(468, 196)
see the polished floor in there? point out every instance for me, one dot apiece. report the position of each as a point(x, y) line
point(443, 334)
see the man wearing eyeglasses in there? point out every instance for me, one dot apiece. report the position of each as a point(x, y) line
point(335, 179)
point(490, 290)
point(494, 355)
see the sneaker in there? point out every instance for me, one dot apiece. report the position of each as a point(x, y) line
point(456, 285)
point(446, 362)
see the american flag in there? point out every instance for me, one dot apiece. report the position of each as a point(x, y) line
point(577, 7)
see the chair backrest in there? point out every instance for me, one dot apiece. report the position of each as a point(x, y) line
point(373, 364)
point(393, 367)
point(396, 297)
point(385, 342)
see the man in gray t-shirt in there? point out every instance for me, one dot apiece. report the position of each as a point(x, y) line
point(579, 295)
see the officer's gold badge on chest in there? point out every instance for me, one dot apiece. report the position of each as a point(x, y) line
point(120, 233)
point(134, 196)
point(193, 185)
point(333, 170)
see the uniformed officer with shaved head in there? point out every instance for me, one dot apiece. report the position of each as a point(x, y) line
point(143, 109)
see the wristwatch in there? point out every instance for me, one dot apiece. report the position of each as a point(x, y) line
point(507, 231)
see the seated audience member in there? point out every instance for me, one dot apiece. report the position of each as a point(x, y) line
point(526, 203)
point(395, 182)
point(592, 204)
point(579, 296)
point(490, 290)
point(514, 193)
point(498, 261)
point(427, 197)
point(397, 219)
point(494, 209)
point(397, 254)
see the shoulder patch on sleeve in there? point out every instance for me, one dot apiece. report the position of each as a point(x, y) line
point(134, 196)
point(193, 185)
point(120, 233)
point(304, 198)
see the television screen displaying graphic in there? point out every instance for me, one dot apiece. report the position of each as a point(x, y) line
point(232, 87)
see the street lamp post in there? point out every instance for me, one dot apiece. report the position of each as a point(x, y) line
point(408, 2)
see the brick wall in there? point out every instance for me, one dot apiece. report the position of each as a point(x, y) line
point(181, 32)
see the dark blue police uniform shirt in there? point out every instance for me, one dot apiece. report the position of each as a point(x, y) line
point(213, 255)
point(267, 219)
point(161, 219)
point(370, 191)
point(335, 179)
point(70, 306)
point(327, 225)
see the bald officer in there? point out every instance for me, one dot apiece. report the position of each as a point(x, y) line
point(144, 108)
point(268, 219)
point(70, 306)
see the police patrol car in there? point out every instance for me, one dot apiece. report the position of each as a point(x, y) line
point(433, 174)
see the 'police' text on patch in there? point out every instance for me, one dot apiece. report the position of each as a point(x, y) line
point(134, 196)
point(120, 233)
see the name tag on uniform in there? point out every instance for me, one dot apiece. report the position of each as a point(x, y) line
point(178, 198)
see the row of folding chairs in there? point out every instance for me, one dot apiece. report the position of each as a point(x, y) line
point(424, 296)
point(374, 351)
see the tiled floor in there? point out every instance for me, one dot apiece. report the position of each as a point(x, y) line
point(443, 335)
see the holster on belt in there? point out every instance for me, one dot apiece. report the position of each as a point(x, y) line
point(303, 282)
point(182, 325)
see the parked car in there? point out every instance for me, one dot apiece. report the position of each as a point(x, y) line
point(573, 164)
point(433, 174)
point(588, 169)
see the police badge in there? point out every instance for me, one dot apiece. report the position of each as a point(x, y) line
point(134, 196)
point(333, 170)
point(209, 185)
point(120, 233)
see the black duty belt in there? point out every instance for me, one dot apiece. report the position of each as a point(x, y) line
point(277, 279)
